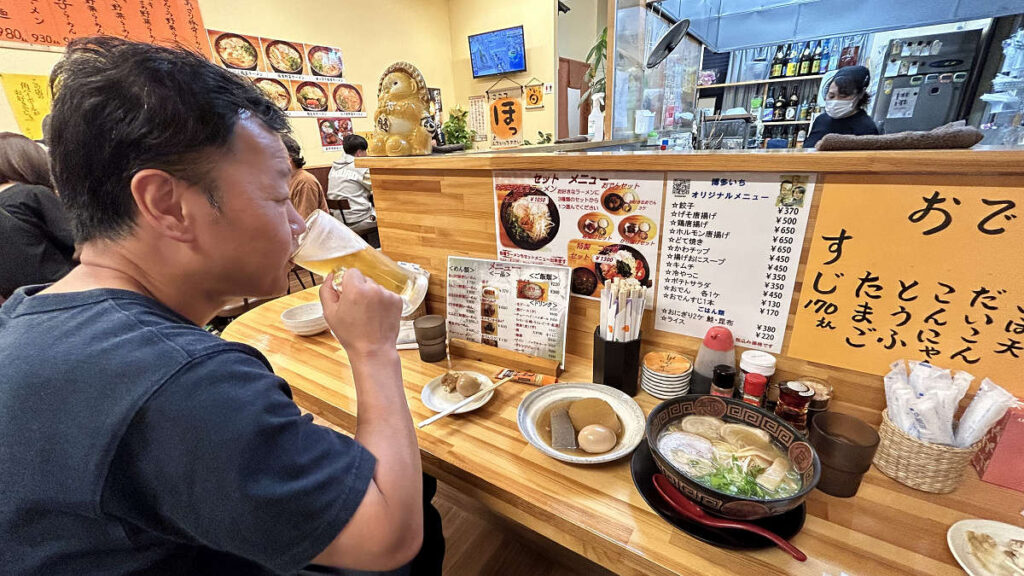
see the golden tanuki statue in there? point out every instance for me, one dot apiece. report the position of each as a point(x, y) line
point(403, 125)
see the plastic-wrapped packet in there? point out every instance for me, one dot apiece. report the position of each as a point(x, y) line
point(988, 406)
point(932, 425)
point(926, 377)
point(898, 396)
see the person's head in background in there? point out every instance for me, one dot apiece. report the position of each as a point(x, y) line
point(294, 151)
point(23, 161)
point(45, 127)
point(847, 92)
point(190, 173)
point(354, 145)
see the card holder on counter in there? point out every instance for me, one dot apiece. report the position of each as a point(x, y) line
point(617, 364)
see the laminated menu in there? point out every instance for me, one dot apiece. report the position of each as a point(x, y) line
point(304, 80)
point(730, 254)
point(517, 307)
point(603, 225)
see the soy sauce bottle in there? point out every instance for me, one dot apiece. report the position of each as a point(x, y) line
point(723, 381)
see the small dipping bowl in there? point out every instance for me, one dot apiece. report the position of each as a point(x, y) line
point(846, 446)
point(305, 319)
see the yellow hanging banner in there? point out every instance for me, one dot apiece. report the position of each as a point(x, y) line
point(535, 96)
point(29, 97)
point(506, 120)
point(917, 268)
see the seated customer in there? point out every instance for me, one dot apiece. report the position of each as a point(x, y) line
point(135, 441)
point(36, 245)
point(306, 192)
point(353, 184)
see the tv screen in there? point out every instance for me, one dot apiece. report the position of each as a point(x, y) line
point(497, 52)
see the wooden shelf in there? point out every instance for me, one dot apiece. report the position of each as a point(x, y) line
point(768, 81)
point(721, 117)
point(786, 122)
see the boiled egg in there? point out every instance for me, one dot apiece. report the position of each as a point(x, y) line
point(596, 439)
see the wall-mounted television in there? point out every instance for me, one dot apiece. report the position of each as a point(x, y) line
point(498, 52)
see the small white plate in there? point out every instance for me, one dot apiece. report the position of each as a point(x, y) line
point(435, 398)
point(628, 411)
point(956, 537)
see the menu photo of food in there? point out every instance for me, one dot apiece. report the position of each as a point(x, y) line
point(276, 90)
point(346, 97)
point(528, 217)
point(332, 131)
point(602, 225)
point(309, 96)
point(528, 290)
point(237, 52)
point(285, 57)
point(594, 262)
point(324, 61)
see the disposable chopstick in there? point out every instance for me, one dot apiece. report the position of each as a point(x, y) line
point(469, 400)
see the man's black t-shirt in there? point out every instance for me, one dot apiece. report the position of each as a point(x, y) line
point(858, 124)
point(36, 244)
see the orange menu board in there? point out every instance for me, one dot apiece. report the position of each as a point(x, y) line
point(921, 270)
point(57, 22)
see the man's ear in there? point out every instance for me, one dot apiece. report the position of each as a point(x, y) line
point(161, 201)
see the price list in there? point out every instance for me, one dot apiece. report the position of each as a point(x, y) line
point(730, 254)
point(517, 307)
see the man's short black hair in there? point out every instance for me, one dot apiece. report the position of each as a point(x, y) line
point(294, 150)
point(353, 143)
point(120, 107)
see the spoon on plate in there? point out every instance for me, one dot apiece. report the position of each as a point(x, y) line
point(688, 508)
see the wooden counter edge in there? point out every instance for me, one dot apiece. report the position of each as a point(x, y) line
point(973, 161)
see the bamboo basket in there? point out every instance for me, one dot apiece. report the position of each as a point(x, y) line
point(920, 465)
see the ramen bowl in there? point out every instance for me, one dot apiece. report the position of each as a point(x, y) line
point(803, 459)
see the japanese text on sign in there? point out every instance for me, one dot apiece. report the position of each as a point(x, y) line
point(29, 97)
point(730, 254)
point(510, 306)
point(934, 273)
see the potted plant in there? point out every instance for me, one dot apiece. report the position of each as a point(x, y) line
point(596, 58)
point(456, 130)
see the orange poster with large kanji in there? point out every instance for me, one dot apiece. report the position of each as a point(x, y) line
point(916, 268)
point(57, 22)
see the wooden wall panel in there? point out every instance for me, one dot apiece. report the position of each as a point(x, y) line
point(427, 215)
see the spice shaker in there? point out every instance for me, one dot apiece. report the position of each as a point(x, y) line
point(758, 362)
point(753, 388)
point(723, 380)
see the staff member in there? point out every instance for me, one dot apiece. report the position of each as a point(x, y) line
point(845, 104)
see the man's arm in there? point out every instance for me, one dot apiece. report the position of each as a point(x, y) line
point(387, 529)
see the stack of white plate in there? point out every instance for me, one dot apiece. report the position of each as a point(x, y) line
point(305, 319)
point(665, 375)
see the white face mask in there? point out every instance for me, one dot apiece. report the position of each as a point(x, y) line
point(840, 108)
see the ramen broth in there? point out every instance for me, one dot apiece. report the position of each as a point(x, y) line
point(735, 459)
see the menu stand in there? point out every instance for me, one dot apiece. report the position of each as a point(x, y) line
point(504, 358)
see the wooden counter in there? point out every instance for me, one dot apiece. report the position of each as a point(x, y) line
point(596, 511)
point(984, 160)
point(430, 208)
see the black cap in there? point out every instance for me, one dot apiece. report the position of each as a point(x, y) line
point(723, 376)
point(858, 75)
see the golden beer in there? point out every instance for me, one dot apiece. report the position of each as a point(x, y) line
point(329, 246)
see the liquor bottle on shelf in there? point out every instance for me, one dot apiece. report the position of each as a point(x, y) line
point(826, 52)
point(805, 60)
point(778, 63)
point(791, 137)
point(793, 106)
point(816, 58)
point(792, 61)
point(768, 112)
point(802, 113)
point(779, 112)
point(801, 136)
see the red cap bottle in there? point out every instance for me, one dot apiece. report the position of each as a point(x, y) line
point(718, 338)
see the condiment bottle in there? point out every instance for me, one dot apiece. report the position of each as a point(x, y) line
point(753, 388)
point(794, 397)
point(757, 362)
point(717, 348)
point(723, 380)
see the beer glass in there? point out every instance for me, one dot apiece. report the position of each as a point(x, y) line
point(329, 246)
